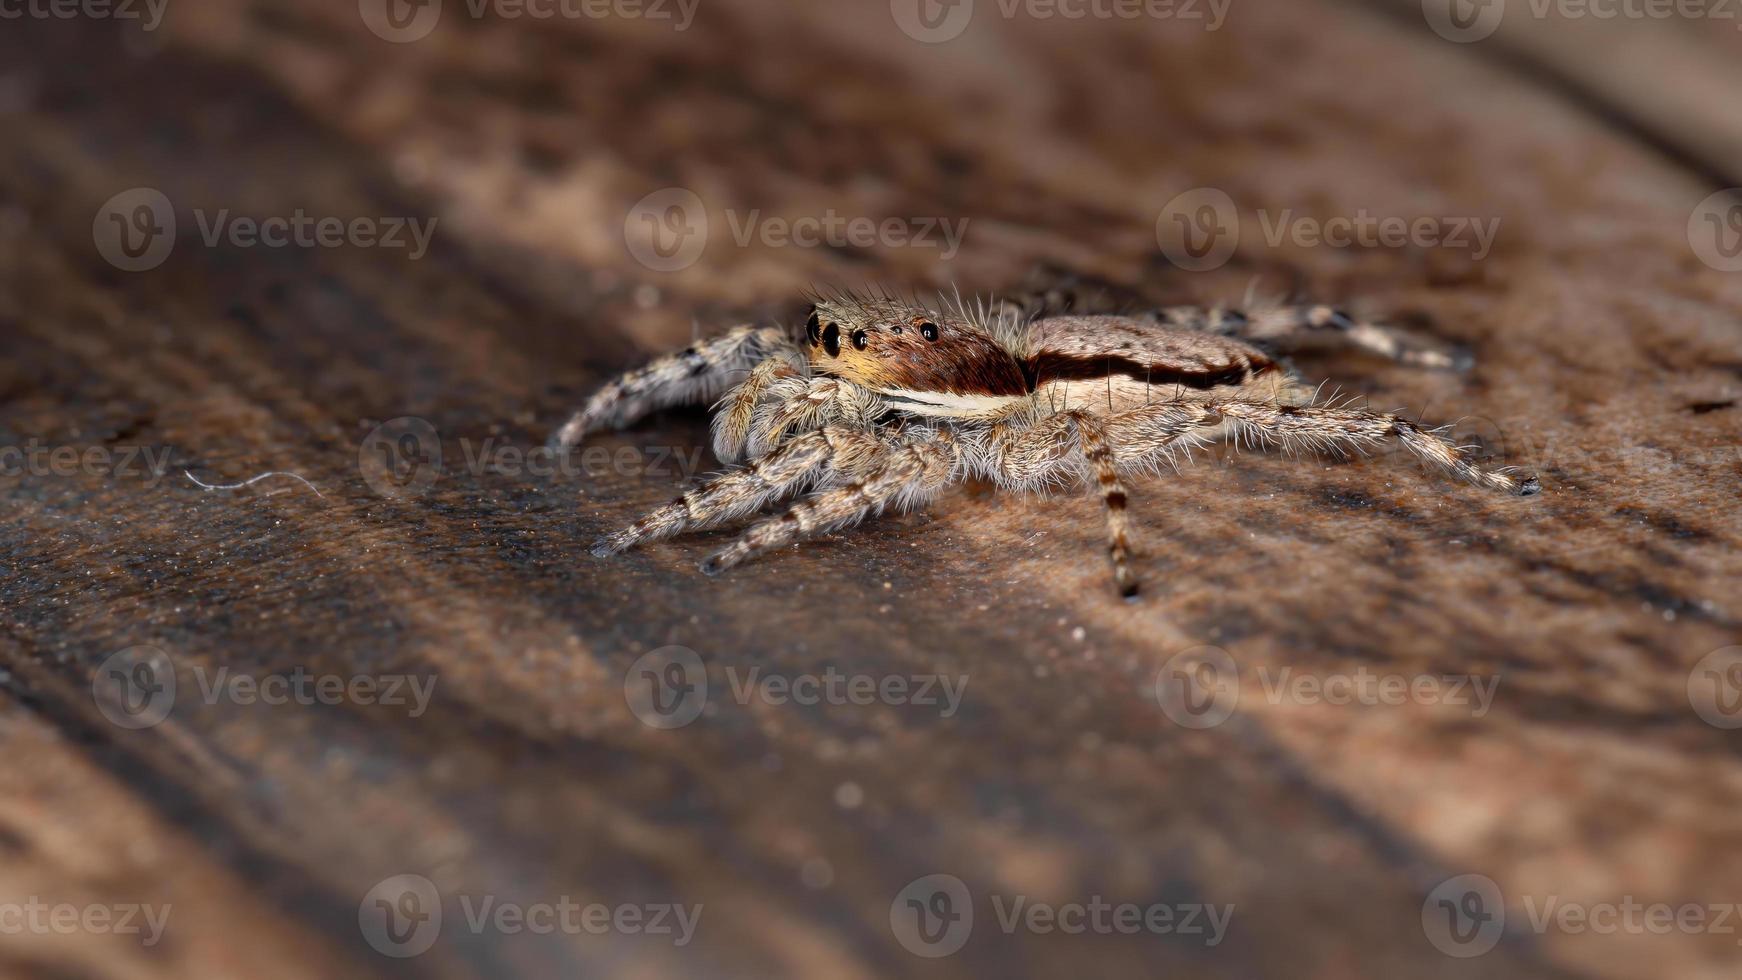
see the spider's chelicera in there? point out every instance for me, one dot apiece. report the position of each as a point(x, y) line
point(883, 403)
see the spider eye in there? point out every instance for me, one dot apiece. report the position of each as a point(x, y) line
point(928, 330)
point(860, 339)
point(832, 339)
point(813, 327)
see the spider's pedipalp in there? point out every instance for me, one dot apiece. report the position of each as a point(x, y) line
point(736, 411)
point(796, 405)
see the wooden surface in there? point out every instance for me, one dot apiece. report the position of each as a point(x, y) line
point(1609, 360)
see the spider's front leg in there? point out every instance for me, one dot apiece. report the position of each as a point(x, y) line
point(796, 464)
point(903, 474)
point(699, 372)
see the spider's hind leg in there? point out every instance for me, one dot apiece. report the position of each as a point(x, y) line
point(1290, 327)
point(1341, 428)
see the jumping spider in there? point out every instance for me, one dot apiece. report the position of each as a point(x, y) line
point(884, 403)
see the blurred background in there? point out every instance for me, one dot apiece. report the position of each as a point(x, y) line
point(305, 672)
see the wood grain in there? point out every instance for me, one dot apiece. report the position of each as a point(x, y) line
point(1608, 360)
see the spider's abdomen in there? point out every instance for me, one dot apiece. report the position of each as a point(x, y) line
point(1114, 363)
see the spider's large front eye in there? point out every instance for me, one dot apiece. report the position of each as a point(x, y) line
point(860, 339)
point(832, 339)
point(928, 330)
point(813, 328)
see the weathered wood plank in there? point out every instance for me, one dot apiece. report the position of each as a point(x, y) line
point(1608, 360)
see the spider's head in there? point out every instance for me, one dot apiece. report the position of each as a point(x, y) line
point(909, 352)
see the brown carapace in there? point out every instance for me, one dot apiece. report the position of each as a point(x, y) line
point(882, 403)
